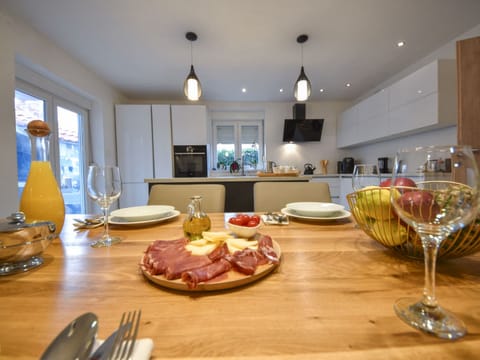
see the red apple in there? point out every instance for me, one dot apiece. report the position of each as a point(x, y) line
point(419, 205)
point(403, 181)
point(400, 181)
point(386, 183)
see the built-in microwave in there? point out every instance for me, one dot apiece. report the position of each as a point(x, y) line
point(190, 160)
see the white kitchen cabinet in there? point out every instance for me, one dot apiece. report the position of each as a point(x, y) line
point(372, 120)
point(345, 188)
point(421, 83)
point(333, 184)
point(423, 100)
point(189, 125)
point(347, 127)
point(426, 99)
point(143, 149)
point(134, 142)
point(162, 141)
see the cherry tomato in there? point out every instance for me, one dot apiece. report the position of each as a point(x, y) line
point(256, 218)
point(245, 218)
point(236, 221)
point(252, 223)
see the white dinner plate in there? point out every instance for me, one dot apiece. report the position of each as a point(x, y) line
point(315, 209)
point(344, 214)
point(173, 214)
point(142, 213)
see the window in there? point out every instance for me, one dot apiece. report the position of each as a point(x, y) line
point(68, 148)
point(240, 141)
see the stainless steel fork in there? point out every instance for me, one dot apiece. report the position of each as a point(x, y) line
point(125, 343)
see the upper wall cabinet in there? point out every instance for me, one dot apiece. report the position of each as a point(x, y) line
point(189, 125)
point(347, 127)
point(423, 100)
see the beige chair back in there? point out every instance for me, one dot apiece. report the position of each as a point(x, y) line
point(272, 196)
point(178, 195)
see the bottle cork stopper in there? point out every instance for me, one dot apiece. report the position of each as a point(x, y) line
point(38, 128)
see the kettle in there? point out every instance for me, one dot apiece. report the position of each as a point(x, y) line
point(309, 168)
point(270, 166)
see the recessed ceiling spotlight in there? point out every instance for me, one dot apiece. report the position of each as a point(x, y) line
point(348, 84)
point(322, 90)
point(281, 90)
point(244, 90)
point(401, 43)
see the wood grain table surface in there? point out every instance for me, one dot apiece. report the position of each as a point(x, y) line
point(330, 298)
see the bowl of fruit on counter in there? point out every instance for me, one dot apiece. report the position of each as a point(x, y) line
point(372, 210)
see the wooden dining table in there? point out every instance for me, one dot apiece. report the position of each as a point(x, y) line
point(331, 297)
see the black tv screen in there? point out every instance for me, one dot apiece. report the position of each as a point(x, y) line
point(302, 130)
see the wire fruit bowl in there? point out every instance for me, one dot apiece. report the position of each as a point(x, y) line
point(374, 214)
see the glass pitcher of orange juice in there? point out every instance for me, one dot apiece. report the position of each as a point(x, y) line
point(41, 199)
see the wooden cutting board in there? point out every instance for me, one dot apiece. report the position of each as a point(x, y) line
point(290, 173)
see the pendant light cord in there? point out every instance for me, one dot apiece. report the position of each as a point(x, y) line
point(301, 47)
point(191, 53)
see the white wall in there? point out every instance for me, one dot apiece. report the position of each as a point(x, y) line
point(21, 43)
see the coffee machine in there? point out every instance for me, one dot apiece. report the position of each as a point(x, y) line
point(348, 163)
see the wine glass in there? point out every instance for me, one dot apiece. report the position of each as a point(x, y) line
point(365, 175)
point(104, 186)
point(436, 203)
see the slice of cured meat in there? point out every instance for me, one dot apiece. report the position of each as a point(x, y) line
point(219, 252)
point(244, 261)
point(205, 273)
point(170, 258)
point(265, 247)
point(177, 266)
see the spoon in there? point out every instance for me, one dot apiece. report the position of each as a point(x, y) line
point(75, 341)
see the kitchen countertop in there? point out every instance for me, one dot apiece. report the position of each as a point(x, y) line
point(331, 298)
point(233, 178)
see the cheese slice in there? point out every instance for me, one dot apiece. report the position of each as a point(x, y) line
point(201, 250)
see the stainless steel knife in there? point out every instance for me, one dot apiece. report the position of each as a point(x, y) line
point(105, 349)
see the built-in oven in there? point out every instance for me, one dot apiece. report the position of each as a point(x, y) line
point(190, 160)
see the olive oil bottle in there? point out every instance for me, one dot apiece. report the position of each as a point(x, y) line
point(196, 221)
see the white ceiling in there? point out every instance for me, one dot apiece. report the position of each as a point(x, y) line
point(139, 46)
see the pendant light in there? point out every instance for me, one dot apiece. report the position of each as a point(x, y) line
point(191, 86)
point(303, 88)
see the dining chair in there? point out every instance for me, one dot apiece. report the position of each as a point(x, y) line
point(178, 195)
point(272, 196)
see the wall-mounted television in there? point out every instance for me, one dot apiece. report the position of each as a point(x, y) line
point(302, 130)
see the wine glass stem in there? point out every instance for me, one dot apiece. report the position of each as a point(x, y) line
point(430, 249)
point(105, 222)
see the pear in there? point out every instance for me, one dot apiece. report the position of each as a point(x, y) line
point(374, 202)
point(389, 232)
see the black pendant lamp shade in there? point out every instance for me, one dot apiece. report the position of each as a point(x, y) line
point(303, 87)
point(191, 86)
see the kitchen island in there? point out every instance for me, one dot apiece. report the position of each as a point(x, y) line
point(331, 297)
point(238, 188)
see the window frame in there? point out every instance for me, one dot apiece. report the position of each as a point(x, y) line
point(238, 120)
point(52, 101)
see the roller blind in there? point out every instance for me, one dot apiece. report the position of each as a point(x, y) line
point(249, 134)
point(225, 134)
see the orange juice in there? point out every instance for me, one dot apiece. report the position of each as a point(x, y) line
point(42, 199)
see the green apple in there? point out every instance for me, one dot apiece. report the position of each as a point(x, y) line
point(374, 202)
